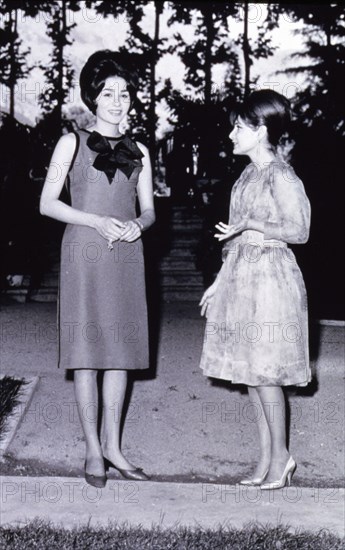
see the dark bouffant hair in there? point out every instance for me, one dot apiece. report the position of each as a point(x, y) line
point(268, 108)
point(98, 68)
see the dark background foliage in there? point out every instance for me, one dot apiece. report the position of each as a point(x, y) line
point(198, 115)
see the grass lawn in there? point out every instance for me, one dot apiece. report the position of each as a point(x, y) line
point(9, 393)
point(40, 535)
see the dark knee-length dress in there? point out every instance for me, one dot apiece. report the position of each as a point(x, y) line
point(257, 325)
point(102, 298)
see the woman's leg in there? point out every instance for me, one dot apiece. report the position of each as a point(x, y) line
point(273, 403)
point(114, 391)
point(86, 392)
point(264, 434)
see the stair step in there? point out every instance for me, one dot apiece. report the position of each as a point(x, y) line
point(180, 251)
point(17, 294)
point(179, 262)
point(44, 295)
point(178, 248)
point(188, 227)
point(182, 281)
point(183, 211)
point(180, 254)
point(174, 295)
point(177, 267)
point(50, 280)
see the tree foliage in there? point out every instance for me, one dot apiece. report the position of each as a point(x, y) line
point(260, 47)
point(212, 43)
point(59, 72)
point(323, 62)
point(319, 135)
point(13, 64)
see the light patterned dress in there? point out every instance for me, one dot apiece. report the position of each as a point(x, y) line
point(257, 324)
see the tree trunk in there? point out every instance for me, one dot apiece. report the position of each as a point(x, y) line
point(246, 52)
point(204, 161)
point(12, 79)
point(208, 54)
point(152, 110)
point(60, 46)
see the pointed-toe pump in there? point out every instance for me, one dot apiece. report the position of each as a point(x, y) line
point(95, 480)
point(136, 474)
point(254, 481)
point(285, 479)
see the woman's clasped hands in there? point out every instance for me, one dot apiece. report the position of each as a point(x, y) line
point(131, 232)
point(113, 229)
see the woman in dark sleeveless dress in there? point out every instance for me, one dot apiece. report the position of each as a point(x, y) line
point(257, 328)
point(102, 300)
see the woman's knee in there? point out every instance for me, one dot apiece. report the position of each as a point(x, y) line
point(85, 375)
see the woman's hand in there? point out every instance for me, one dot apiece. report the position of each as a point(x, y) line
point(227, 231)
point(131, 232)
point(109, 228)
point(207, 298)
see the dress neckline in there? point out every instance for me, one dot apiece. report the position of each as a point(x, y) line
point(106, 137)
point(276, 160)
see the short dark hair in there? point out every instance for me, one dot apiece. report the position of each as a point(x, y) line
point(101, 65)
point(268, 108)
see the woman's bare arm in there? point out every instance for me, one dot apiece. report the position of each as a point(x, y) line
point(145, 191)
point(147, 217)
point(52, 206)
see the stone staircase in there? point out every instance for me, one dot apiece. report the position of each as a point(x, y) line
point(178, 278)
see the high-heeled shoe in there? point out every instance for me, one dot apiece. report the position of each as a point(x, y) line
point(254, 481)
point(95, 480)
point(137, 474)
point(286, 477)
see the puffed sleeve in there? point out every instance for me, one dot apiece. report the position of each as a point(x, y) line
point(292, 219)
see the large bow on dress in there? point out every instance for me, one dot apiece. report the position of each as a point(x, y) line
point(126, 155)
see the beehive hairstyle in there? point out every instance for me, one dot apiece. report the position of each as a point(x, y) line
point(101, 65)
point(268, 108)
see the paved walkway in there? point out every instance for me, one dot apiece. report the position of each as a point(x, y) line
point(70, 502)
point(180, 427)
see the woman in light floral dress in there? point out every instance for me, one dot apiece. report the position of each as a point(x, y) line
point(256, 332)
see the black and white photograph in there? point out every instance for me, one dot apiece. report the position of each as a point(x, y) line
point(172, 317)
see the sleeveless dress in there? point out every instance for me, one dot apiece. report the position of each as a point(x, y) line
point(257, 328)
point(102, 298)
